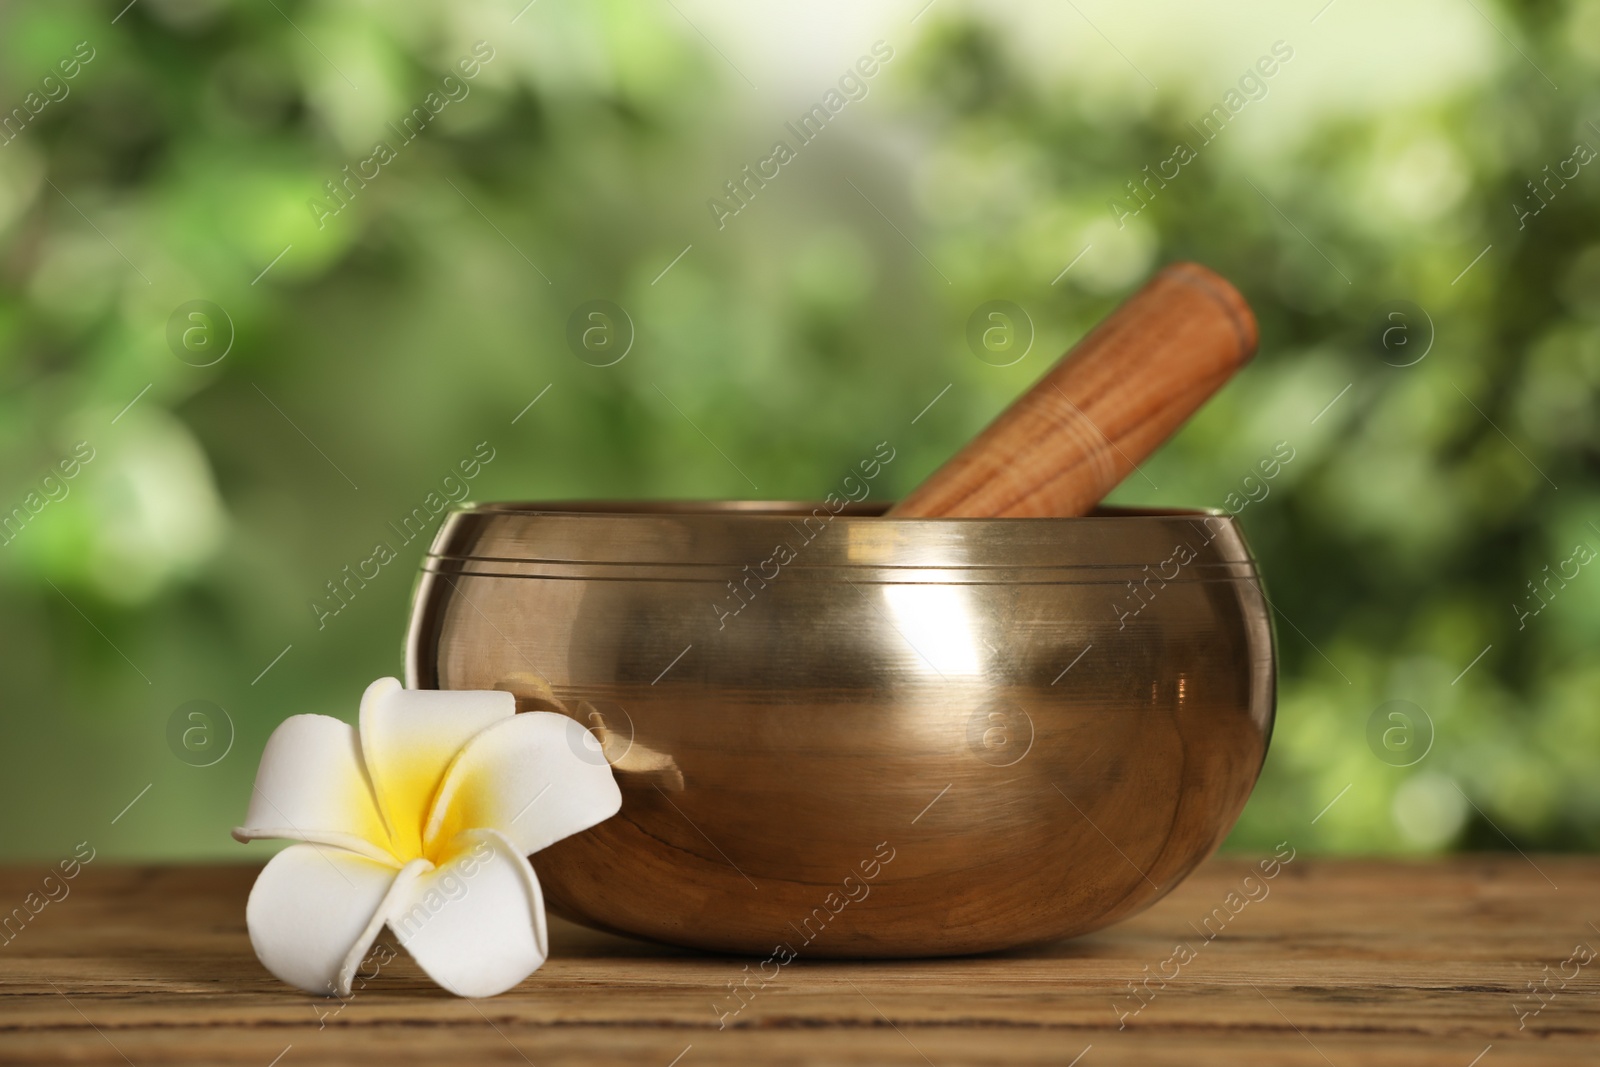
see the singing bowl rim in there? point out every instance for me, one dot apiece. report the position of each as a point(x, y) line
point(689, 506)
point(734, 533)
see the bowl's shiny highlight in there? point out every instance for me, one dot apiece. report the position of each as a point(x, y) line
point(860, 736)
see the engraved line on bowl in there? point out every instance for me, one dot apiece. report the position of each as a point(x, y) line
point(821, 583)
point(723, 564)
point(942, 566)
point(514, 646)
point(813, 577)
point(895, 628)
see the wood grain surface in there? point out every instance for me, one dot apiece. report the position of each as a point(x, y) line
point(1337, 963)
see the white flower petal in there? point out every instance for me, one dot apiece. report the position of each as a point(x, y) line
point(476, 923)
point(535, 778)
point(409, 737)
point(315, 908)
point(312, 786)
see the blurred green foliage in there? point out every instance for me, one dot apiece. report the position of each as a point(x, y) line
point(374, 348)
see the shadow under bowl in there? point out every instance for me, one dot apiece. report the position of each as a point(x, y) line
point(846, 735)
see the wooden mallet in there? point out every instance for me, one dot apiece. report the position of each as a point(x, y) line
point(1105, 406)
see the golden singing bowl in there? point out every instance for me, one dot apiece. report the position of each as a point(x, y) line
point(846, 735)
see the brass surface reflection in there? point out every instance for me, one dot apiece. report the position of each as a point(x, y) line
point(878, 738)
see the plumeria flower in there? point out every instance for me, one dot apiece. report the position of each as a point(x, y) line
point(421, 819)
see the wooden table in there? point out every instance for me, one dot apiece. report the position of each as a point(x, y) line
point(1341, 963)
